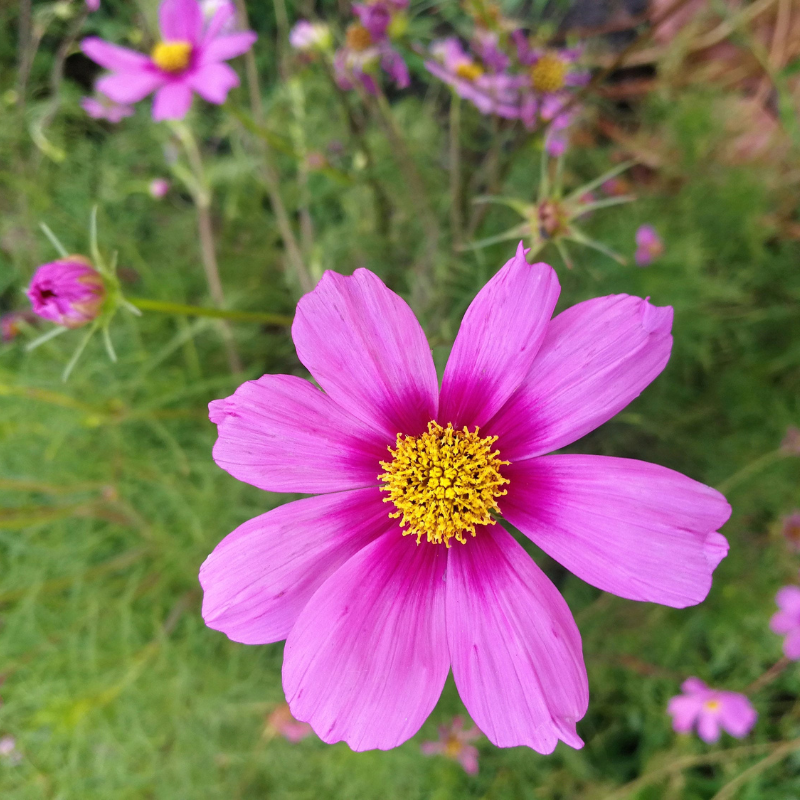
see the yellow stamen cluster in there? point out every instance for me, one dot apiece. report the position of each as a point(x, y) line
point(172, 56)
point(443, 483)
point(358, 38)
point(712, 705)
point(469, 72)
point(548, 73)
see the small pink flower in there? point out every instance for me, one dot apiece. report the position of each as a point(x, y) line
point(8, 750)
point(711, 710)
point(490, 93)
point(280, 722)
point(616, 187)
point(791, 442)
point(158, 188)
point(454, 744)
point(93, 5)
point(395, 572)
point(306, 36)
point(10, 324)
point(101, 107)
point(786, 622)
point(69, 292)
point(648, 245)
point(189, 58)
point(791, 530)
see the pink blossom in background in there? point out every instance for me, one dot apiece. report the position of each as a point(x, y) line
point(158, 188)
point(791, 441)
point(454, 743)
point(359, 64)
point(375, 18)
point(615, 187)
point(211, 7)
point(490, 93)
point(791, 530)
point(649, 246)
point(557, 137)
point(8, 750)
point(11, 324)
point(375, 612)
point(786, 621)
point(711, 710)
point(307, 35)
point(189, 58)
point(69, 292)
point(100, 107)
point(93, 5)
point(280, 722)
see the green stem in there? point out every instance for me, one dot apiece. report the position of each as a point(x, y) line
point(754, 467)
point(455, 170)
point(164, 307)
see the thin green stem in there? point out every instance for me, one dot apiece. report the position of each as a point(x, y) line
point(753, 468)
point(45, 337)
point(60, 249)
point(455, 170)
point(164, 307)
point(77, 354)
point(730, 788)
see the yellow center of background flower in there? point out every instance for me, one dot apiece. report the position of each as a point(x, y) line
point(358, 38)
point(172, 56)
point(548, 73)
point(443, 483)
point(469, 71)
point(712, 705)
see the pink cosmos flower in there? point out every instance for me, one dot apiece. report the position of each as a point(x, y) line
point(8, 750)
point(10, 324)
point(93, 5)
point(280, 722)
point(69, 292)
point(307, 35)
point(374, 619)
point(711, 710)
point(158, 188)
point(360, 59)
point(490, 93)
point(649, 246)
point(454, 743)
point(552, 76)
point(101, 107)
point(188, 59)
point(786, 621)
point(791, 530)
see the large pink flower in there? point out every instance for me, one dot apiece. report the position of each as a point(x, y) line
point(375, 619)
point(188, 59)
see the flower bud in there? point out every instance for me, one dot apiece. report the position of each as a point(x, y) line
point(69, 292)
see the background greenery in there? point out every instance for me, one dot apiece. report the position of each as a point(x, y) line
point(109, 499)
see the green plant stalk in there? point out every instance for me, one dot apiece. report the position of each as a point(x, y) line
point(180, 309)
point(455, 170)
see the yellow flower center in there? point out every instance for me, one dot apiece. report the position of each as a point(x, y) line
point(548, 73)
point(172, 56)
point(469, 72)
point(358, 38)
point(443, 483)
point(712, 705)
point(453, 747)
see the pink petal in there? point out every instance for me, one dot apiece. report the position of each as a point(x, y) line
point(635, 529)
point(736, 714)
point(783, 622)
point(180, 21)
point(498, 340)
point(367, 659)
point(259, 578)
point(791, 645)
point(282, 434)
point(111, 56)
point(365, 348)
point(129, 87)
point(223, 48)
point(788, 600)
point(172, 101)
point(684, 710)
point(515, 649)
point(696, 686)
point(597, 356)
point(468, 758)
point(708, 727)
point(213, 82)
point(224, 13)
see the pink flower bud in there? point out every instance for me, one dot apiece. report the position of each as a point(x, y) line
point(69, 292)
